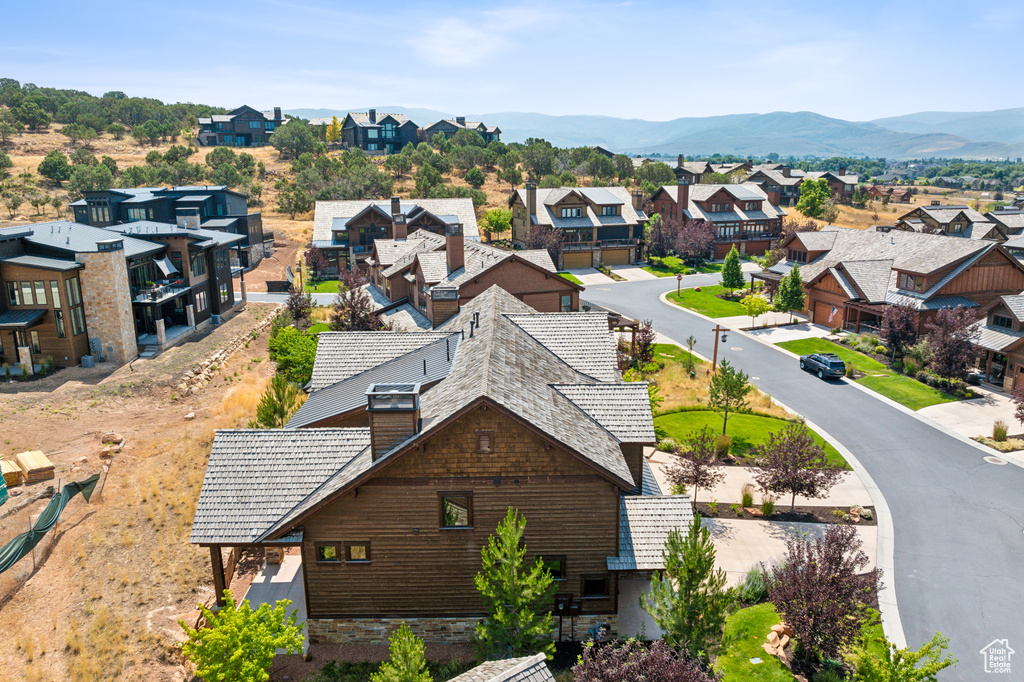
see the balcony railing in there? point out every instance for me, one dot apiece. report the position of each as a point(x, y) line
point(599, 244)
point(158, 293)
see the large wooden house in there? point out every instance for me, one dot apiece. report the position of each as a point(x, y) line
point(443, 432)
point(955, 221)
point(450, 126)
point(378, 133)
point(243, 127)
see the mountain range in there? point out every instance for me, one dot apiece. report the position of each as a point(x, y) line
point(968, 135)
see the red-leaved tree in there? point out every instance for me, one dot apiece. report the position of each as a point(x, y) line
point(643, 343)
point(899, 328)
point(951, 336)
point(544, 237)
point(315, 261)
point(633, 660)
point(696, 463)
point(818, 588)
point(791, 462)
point(660, 236)
point(353, 309)
point(694, 239)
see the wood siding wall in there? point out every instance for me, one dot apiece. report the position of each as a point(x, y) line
point(993, 276)
point(65, 351)
point(570, 511)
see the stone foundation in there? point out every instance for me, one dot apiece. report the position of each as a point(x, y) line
point(434, 630)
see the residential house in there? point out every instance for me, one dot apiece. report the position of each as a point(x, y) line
point(1010, 220)
point(378, 133)
point(781, 185)
point(900, 195)
point(243, 127)
point(851, 275)
point(216, 207)
point(742, 214)
point(598, 225)
point(744, 167)
point(1000, 339)
point(896, 177)
point(691, 171)
point(345, 231)
point(451, 126)
point(841, 184)
point(435, 276)
point(603, 151)
point(956, 221)
point(501, 407)
point(72, 290)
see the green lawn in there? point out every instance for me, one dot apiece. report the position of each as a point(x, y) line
point(329, 286)
point(879, 378)
point(669, 352)
point(747, 430)
point(572, 278)
point(669, 267)
point(706, 302)
point(317, 328)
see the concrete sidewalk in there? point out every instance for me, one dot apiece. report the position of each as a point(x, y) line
point(590, 276)
point(632, 273)
point(975, 417)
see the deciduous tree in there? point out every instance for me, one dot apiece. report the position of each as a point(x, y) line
point(497, 221)
point(544, 237)
point(689, 601)
point(790, 461)
point(694, 240)
point(950, 340)
point(813, 195)
point(660, 236)
point(755, 304)
point(696, 463)
point(333, 131)
point(516, 595)
point(902, 665)
point(299, 304)
point(353, 309)
point(315, 260)
point(728, 390)
point(899, 328)
point(818, 588)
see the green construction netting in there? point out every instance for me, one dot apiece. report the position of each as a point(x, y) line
point(23, 544)
point(3, 490)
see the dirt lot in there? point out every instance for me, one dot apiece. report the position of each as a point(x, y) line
point(105, 604)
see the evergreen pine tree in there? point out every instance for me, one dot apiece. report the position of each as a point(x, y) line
point(407, 663)
point(278, 404)
point(516, 596)
point(732, 274)
point(690, 600)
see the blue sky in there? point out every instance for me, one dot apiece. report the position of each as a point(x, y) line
point(652, 60)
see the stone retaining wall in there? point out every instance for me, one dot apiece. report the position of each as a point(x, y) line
point(202, 373)
point(434, 630)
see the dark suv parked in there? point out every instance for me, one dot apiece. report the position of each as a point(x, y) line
point(826, 365)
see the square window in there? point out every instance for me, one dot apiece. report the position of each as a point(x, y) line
point(594, 586)
point(484, 441)
point(327, 553)
point(555, 566)
point(456, 510)
point(357, 551)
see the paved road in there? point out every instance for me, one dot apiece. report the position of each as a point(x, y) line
point(958, 520)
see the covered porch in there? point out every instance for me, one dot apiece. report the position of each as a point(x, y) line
point(866, 315)
point(1000, 357)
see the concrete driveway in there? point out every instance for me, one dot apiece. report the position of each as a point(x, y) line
point(590, 276)
point(975, 417)
point(632, 273)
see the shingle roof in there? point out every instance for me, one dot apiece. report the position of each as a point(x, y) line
point(362, 118)
point(644, 524)
point(433, 265)
point(405, 318)
point(581, 340)
point(1012, 220)
point(611, 195)
point(1015, 304)
point(527, 669)
point(622, 408)
point(340, 355)
point(326, 212)
point(426, 365)
point(747, 191)
point(255, 476)
point(870, 276)
point(403, 254)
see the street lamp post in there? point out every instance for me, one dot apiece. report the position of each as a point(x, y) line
point(714, 359)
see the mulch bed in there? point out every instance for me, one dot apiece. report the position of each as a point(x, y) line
point(801, 514)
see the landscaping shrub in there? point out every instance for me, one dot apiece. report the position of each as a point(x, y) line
point(922, 376)
point(866, 514)
point(747, 495)
point(958, 387)
point(668, 445)
point(827, 675)
point(880, 350)
point(767, 505)
point(736, 509)
point(910, 366)
point(999, 430)
point(754, 588)
point(850, 371)
point(897, 366)
point(723, 443)
point(713, 506)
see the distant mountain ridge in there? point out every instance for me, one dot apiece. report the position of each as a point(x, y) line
point(981, 135)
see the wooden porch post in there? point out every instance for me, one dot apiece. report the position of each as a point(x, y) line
point(988, 366)
point(217, 563)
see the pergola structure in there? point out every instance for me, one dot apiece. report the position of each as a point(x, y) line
point(771, 282)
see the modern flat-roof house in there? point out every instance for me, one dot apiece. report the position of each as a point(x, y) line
point(742, 214)
point(409, 452)
point(430, 277)
point(378, 133)
point(598, 225)
point(345, 231)
point(243, 127)
point(955, 221)
point(451, 126)
point(851, 275)
point(215, 207)
point(72, 290)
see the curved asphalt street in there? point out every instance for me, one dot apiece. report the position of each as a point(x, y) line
point(958, 520)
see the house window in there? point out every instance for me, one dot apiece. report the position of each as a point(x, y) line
point(198, 265)
point(40, 292)
point(327, 553)
point(372, 134)
point(135, 214)
point(176, 260)
point(719, 208)
point(750, 206)
point(956, 228)
point(13, 297)
point(55, 293)
point(594, 586)
point(611, 210)
point(910, 282)
point(224, 293)
point(99, 214)
point(555, 566)
point(255, 124)
point(485, 441)
point(357, 552)
point(77, 320)
point(200, 301)
point(269, 125)
point(26, 293)
point(798, 256)
point(456, 510)
point(389, 130)
point(566, 303)
point(220, 126)
point(372, 147)
point(58, 316)
point(34, 335)
point(220, 259)
point(572, 212)
point(1002, 321)
point(229, 140)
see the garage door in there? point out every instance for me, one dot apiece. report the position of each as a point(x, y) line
point(572, 260)
point(615, 256)
point(824, 316)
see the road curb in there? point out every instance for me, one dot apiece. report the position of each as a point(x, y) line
point(888, 607)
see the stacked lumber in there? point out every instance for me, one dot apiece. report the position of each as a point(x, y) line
point(35, 466)
point(11, 472)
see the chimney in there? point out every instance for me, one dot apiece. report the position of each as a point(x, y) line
point(787, 172)
point(682, 198)
point(531, 204)
point(638, 199)
point(394, 415)
point(454, 246)
point(679, 162)
point(399, 229)
point(842, 171)
point(373, 115)
point(277, 113)
point(461, 120)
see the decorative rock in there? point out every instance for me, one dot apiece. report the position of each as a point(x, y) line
point(753, 511)
point(190, 416)
point(112, 438)
point(773, 638)
point(81, 459)
point(778, 628)
point(783, 641)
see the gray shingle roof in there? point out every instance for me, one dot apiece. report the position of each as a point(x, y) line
point(433, 265)
point(426, 365)
point(405, 318)
point(1015, 304)
point(340, 355)
point(527, 669)
point(624, 408)
point(581, 340)
point(610, 195)
point(871, 276)
point(327, 211)
point(1011, 220)
point(747, 191)
point(71, 237)
point(644, 524)
point(255, 476)
point(390, 251)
